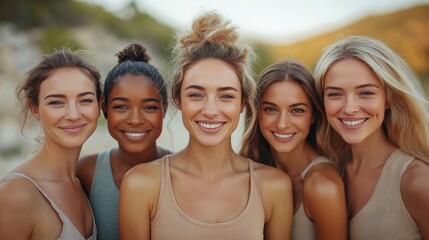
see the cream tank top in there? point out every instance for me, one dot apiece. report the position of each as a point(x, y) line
point(69, 231)
point(303, 227)
point(384, 217)
point(170, 222)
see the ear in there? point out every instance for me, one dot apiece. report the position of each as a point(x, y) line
point(34, 111)
point(387, 105)
point(178, 103)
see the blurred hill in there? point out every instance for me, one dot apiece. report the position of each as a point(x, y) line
point(29, 29)
point(406, 31)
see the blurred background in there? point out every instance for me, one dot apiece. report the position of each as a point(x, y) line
point(277, 29)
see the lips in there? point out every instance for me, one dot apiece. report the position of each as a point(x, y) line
point(352, 123)
point(73, 128)
point(210, 126)
point(283, 135)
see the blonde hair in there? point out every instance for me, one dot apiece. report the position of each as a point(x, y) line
point(406, 122)
point(213, 37)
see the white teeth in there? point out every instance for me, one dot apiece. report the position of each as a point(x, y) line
point(210, 126)
point(279, 135)
point(353, 123)
point(135, 135)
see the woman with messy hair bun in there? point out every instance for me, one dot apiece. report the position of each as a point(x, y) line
point(135, 101)
point(207, 190)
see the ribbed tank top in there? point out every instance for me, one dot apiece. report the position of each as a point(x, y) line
point(303, 227)
point(384, 217)
point(69, 231)
point(170, 222)
point(104, 198)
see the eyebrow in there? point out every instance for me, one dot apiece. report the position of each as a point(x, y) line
point(124, 99)
point(357, 87)
point(63, 96)
point(292, 105)
point(227, 88)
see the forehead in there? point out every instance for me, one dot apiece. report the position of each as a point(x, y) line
point(285, 91)
point(351, 72)
point(67, 80)
point(211, 73)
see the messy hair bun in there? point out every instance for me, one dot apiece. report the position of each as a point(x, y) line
point(212, 36)
point(134, 52)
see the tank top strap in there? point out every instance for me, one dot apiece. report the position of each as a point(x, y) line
point(317, 160)
point(22, 175)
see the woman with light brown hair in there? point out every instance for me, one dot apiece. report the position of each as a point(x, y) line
point(206, 190)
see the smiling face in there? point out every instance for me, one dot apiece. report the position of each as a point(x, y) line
point(135, 113)
point(68, 108)
point(355, 100)
point(285, 116)
point(210, 101)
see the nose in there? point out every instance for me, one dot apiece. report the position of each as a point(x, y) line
point(351, 105)
point(134, 117)
point(73, 112)
point(283, 120)
point(210, 108)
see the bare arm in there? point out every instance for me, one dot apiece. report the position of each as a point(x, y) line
point(17, 218)
point(276, 191)
point(325, 203)
point(137, 201)
point(85, 172)
point(415, 194)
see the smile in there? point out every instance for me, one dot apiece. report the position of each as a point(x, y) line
point(353, 122)
point(210, 125)
point(283, 136)
point(134, 135)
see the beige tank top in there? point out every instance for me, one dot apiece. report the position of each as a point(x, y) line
point(69, 231)
point(170, 222)
point(384, 217)
point(303, 227)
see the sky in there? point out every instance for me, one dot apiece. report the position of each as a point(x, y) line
point(275, 21)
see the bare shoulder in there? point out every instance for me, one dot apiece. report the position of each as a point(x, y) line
point(85, 171)
point(144, 175)
point(270, 178)
point(415, 180)
point(415, 194)
point(323, 180)
point(17, 199)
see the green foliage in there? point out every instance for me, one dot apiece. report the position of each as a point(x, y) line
point(57, 38)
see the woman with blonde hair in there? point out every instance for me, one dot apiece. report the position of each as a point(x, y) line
point(206, 190)
point(377, 127)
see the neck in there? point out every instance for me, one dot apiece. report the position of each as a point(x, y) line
point(129, 159)
point(295, 161)
point(373, 152)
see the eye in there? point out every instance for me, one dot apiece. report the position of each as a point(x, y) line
point(227, 96)
point(195, 95)
point(151, 108)
point(367, 93)
point(333, 94)
point(119, 107)
point(87, 100)
point(55, 102)
point(269, 109)
point(298, 110)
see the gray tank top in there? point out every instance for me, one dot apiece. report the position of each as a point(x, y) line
point(69, 231)
point(104, 197)
point(385, 217)
point(302, 227)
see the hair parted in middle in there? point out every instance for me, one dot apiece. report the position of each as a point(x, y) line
point(214, 37)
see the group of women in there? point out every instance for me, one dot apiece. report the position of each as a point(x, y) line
point(341, 155)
